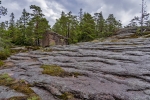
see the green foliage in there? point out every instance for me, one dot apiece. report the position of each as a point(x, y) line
point(29, 29)
point(4, 47)
point(53, 70)
point(4, 54)
point(1, 63)
point(87, 28)
point(112, 25)
point(38, 23)
point(21, 29)
point(12, 26)
point(4, 43)
point(67, 25)
point(100, 24)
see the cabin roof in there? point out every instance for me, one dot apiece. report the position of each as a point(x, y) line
point(50, 32)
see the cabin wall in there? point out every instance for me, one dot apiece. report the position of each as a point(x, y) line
point(50, 39)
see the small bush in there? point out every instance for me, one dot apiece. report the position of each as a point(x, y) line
point(1, 63)
point(4, 54)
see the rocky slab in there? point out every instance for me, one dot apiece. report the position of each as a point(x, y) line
point(111, 70)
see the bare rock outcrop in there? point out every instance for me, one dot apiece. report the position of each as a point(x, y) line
point(111, 70)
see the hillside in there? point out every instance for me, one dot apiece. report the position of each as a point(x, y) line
point(117, 68)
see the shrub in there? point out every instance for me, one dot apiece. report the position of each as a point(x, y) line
point(4, 54)
point(1, 63)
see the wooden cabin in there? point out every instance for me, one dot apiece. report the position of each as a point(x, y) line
point(52, 38)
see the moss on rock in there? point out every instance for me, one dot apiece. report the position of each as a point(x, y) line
point(55, 70)
point(19, 86)
point(66, 96)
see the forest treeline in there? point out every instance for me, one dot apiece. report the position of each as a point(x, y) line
point(85, 27)
point(30, 27)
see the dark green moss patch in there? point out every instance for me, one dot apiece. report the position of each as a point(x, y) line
point(18, 98)
point(55, 70)
point(19, 86)
point(1, 63)
point(4, 54)
point(66, 96)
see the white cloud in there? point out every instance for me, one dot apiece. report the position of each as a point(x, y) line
point(53, 11)
point(13, 5)
point(123, 10)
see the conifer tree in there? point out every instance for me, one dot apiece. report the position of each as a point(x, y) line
point(37, 21)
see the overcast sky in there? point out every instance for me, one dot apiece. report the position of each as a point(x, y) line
point(123, 10)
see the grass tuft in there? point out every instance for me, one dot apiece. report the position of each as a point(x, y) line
point(55, 70)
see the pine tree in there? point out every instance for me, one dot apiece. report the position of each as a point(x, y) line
point(11, 26)
point(24, 21)
point(37, 21)
point(61, 25)
point(3, 10)
point(67, 25)
point(80, 15)
point(100, 24)
point(72, 28)
point(112, 25)
point(3, 26)
point(87, 28)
